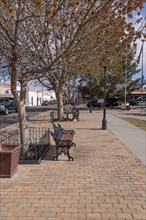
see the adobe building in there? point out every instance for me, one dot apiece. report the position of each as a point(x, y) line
point(33, 97)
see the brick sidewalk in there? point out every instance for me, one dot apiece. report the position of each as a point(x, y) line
point(105, 181)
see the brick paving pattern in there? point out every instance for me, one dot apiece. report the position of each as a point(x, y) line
point(105, 181)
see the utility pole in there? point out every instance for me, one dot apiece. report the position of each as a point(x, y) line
point(90, 97)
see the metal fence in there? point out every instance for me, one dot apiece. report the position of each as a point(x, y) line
point(38, 143)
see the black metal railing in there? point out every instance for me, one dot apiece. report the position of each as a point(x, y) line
point(36, 145)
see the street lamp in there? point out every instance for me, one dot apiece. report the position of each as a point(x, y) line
point(90, 97)
point(42, 92)
point(37, 97)
point(74, 93)
point(104, 121)
point(125, 95)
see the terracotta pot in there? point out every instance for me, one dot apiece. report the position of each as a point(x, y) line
point(9, 158)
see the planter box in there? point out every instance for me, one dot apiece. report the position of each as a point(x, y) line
point(9, 158)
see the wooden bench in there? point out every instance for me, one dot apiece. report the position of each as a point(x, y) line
point(71, 111)
point(63, 140)
point(75, 114)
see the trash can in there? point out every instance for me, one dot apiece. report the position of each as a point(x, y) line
point(51, 116)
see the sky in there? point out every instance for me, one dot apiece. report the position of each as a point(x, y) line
point(139, 46)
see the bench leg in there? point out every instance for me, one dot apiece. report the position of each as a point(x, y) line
point(77, 118)
point(69, 157)
point(61, 150)
point(55, 157)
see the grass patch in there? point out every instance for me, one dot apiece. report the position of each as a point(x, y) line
point(136, 122)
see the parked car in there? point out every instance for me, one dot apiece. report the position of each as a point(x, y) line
point(110, 102)
point(53, 102)
point(7, 105)
point(93, 103)
point(45, 103)
point(136, 102)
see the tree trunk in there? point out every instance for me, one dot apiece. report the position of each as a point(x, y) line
point(60, 104)
point(20, 102)
point(24, 136)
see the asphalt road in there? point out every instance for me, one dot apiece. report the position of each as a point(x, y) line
point(6, 120)
point(31, 111)
point(12, 118)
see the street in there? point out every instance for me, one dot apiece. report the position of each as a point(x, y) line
point(12, 118)
point(6, 120)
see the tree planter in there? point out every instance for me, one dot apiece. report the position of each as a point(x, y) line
point(9, 158)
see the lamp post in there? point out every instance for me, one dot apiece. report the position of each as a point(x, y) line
point(90, 97)
point(125, 92)
point(74, 93)
point(42, 93)
point(37, 98)
point(104, 121)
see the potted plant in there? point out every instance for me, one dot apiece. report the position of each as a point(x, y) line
point(9, 158)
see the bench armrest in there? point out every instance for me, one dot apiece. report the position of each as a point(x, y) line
point(68, 132)
point(64, 135)
point(65, 143)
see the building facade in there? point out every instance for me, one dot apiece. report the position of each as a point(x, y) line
point(137, 93)
point(33, 97)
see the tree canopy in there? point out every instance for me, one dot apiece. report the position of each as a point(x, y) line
point(41, 37)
